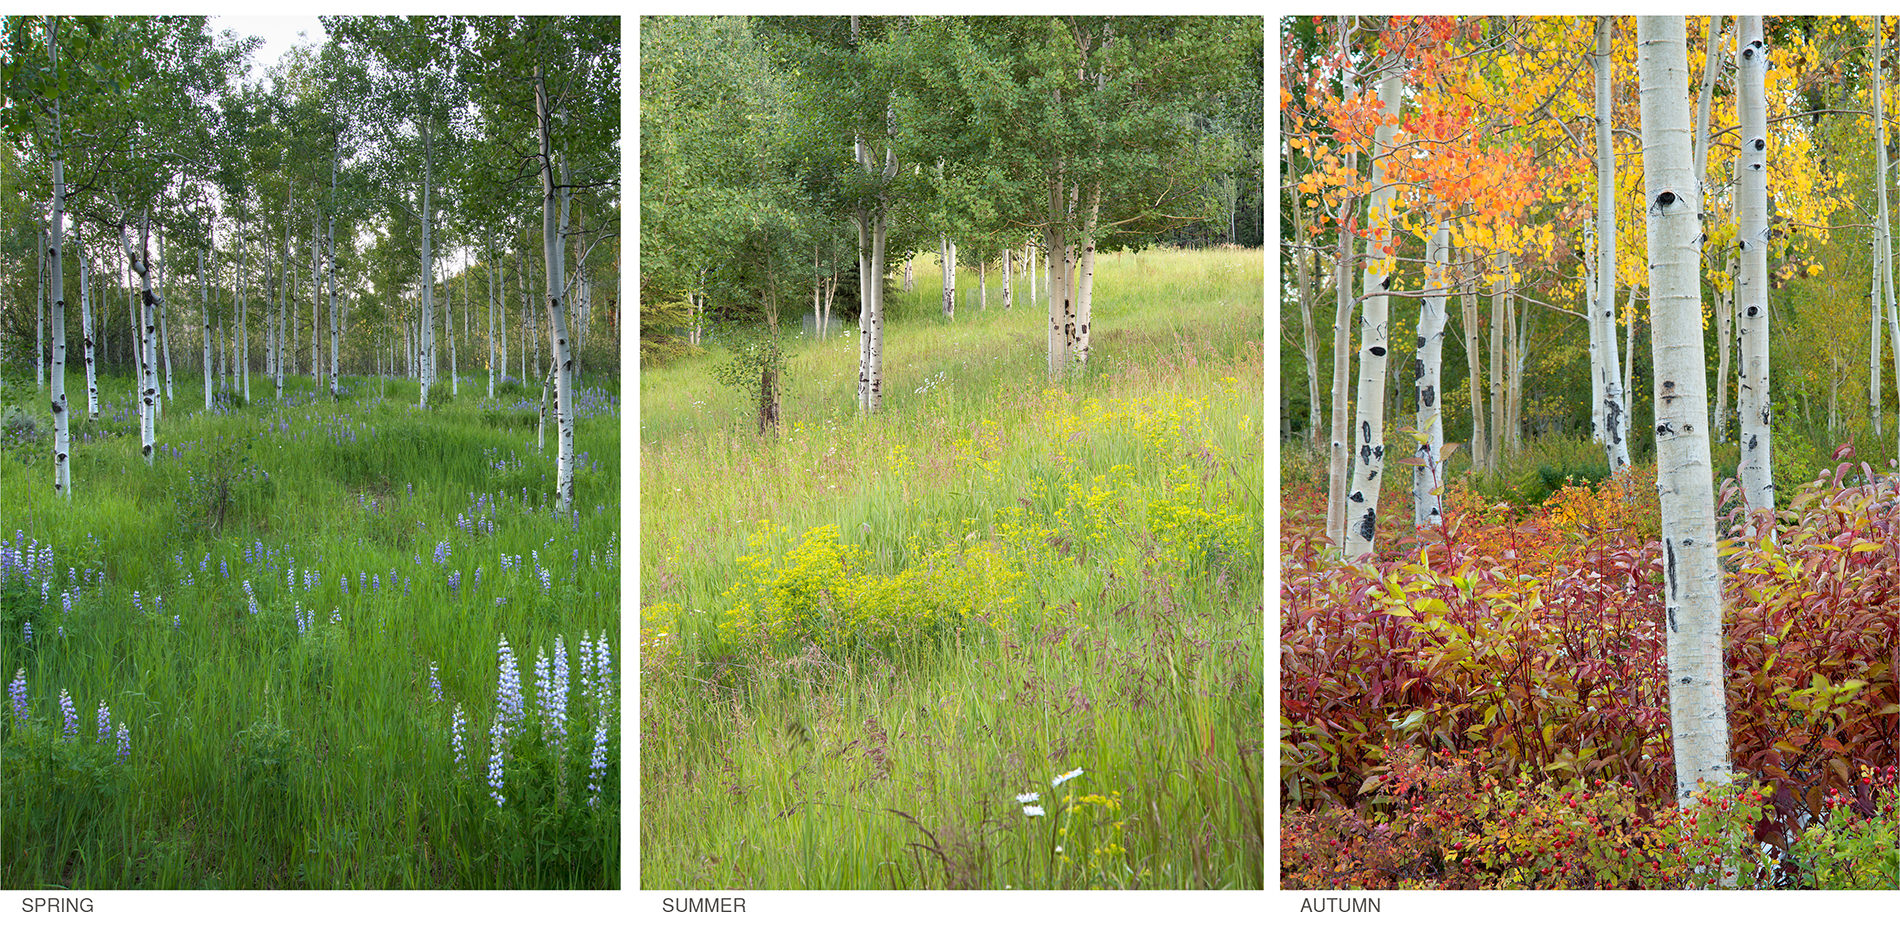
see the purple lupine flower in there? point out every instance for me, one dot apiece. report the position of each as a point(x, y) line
point(224, 568)
point(405, 585)
point(458, 727)
point(26, 627)
point(66, 601)
point(478, 578)
point(362, 580)
point(17, 689)
point(455, 583)
point(205, 564)
point(586, 653)
point(125, 743)
point(336, 615)
point(597, 762)
point(175, 619)
point(71, 717)
point(60, 630)
point(250, 596)
point(498, 741)
point(135, 601)
point(376, 583)
point(442, 552)
point(547, 582)
point(105, 721)
point(543, 686)
point(435, 684)
point(343, 582)
point(558, 713)
point(508, 704)
point(603, 669)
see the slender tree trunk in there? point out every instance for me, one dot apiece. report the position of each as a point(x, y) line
point(204, 305)
point(1085, 290)
point(140, 262)
point(1692, 579)
point(1615, 389)
point(946, 278)
point(1368, 475)
point(1883, 236)
point(1474, 359)
point(55, 252)
point(425, 331)
point(1061, 311)
point(553, 227)
point(1029, 269)
point(39, 321)
point(243, 332)
point(983, 285)
point(1514, 379)
point(1007, 270)
point(1340, 448)
point(1629, 349)
point(1428, 477)
point(1309, 341)
point(1499, 370)
point(1751, 290)
point(491, 327)
point(85, 322)
point(448, 323)
point(1724, 346)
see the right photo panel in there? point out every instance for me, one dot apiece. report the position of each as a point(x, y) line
point(1589, 504)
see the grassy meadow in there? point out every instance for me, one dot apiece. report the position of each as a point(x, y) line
point(272, 659)
point(1004, 634)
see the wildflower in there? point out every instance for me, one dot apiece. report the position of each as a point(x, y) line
point(376, 583)
point(250, 596)
point(105, 721)
point(66, 601)
point(175, 622)
point(497, 738)
point(1032, 811)
point(125, 742)
point(26, 627)
point(17, 689)
point(458, 727)
point(1027, 797)
point(435, 684)
point(135, 601)
point(71, 717)
point(343, 582)
point(442, 552)
point(546, 581)
point(478, 577)
point(597, 762)
point(455, 583)
point(1057, 781)
point(508, 705)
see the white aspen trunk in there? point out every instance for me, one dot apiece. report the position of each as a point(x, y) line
point(862, 220)
point(553, 227)
point(1058, 289)
point(1340, 449)
point(1751, 286)
point(1029, 268)
point(983, 285)
point(448, 323)
point(1085, 290)
point(1883, 236)
point(243, 332)
point(527, 323)
point(1309, 341)
point(39, 321)
point(946, 278)
point(204, 306)
point(870, 218)
point(491, 326)
point(1519, 334)
point(1494, 452)
point(910, 281)
point(879, 235)
point(426, 358)
point(1474, 359)
point(1692, 578)
point(1007, 270)
point(1429, 477)
point(55, 251)
point(165, 344)
point(154, 318)
point(1615, 389)
point(1724, 345)
point(85, 322)
point(140, 262)
point(501, 271)
point(952, 270)
point(1587, 271)
point(1368, 472)
point(336, 323)
point(1629, 347)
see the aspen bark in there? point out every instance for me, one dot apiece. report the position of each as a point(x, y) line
point(1615, 389)
point(1751, 289)
point(946, 278)
point(39, 321)
point(1883, 235)
point(1474, 359)
point(1085, 288)
point(1368, 475)
point(1692, 579)
point(243, 333)
point(1724, 346)
point(553, 226)
point(491, 327)
point(1007, 270)
point(426, 362)
point(1340, 450)
point(1428, 477)
point(204, 305)
point(1494, 452)
point(85, 322)
point(1309, 341)
point(140, 263)
point(55, 252)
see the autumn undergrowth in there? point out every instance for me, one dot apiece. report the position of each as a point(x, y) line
point(1484, 703)
point(282, 645)
point(877, 650)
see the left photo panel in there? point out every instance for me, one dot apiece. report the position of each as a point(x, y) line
point(310, 452)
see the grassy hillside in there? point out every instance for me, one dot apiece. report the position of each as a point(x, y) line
point(284, 618)
point(866, 642)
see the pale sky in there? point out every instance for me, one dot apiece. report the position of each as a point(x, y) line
point(279, 33)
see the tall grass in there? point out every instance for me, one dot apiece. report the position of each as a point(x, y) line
point(287, 611)
point(866, 641)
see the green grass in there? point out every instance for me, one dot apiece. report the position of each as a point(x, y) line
point(862, 640)
point(300, 743)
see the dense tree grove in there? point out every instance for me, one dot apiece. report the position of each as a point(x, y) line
point(394, 200)
point(776, 150)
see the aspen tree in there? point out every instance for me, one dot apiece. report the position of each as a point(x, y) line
point(1368, 474)
point(1339, 453)
point(553, 226)
point(85, 321)
point(1428, 474)
point(1691, 577)
point(140, 262)
point(1751, 285)
point(1883, 234)
point(204, 303)
point(55, 252)
point(1613, 388)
